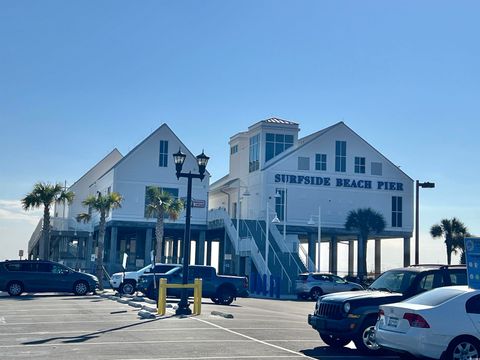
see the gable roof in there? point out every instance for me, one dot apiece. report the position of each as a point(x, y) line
point(164, 125)
point(308, 139)
point(114, 151)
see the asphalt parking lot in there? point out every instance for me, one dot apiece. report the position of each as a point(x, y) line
point(47, 326)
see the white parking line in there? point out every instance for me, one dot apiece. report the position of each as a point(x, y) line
point(224, 357)
point(138, 330)
point(254, 339)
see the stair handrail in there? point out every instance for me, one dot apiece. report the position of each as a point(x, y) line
point(290, 282)
point(309, 262)
point(299, 268)
point(222, 214)
point(276, 234)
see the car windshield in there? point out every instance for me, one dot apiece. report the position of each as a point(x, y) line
point(435, 297)
point(146, 268)
point(174, 270)
point(394, 281)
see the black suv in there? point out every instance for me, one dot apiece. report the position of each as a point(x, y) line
point(343, 317)
point(19, 276)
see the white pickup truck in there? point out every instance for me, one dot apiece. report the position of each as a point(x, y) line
point(126, 283)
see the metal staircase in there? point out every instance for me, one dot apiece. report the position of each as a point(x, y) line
point(251, 241)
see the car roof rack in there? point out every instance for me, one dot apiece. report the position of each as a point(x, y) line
point(442, 266)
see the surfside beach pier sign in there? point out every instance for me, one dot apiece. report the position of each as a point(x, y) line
point(338, 182)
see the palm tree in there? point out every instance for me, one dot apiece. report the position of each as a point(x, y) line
point(461, 247)
point(102, 204)
point(159, 204)
point(453, 231)
point(364, 221)
point(46, 194)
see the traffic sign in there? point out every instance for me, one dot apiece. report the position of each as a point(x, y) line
point(472, 252)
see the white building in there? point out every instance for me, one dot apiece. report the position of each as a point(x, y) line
point(298, 183)
point(129, 231)
point(323, 175)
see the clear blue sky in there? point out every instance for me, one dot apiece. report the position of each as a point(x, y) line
point(80, 78)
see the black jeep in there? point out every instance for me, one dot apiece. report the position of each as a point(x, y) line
point(342, 317)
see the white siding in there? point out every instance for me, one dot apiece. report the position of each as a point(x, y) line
point(140, 169)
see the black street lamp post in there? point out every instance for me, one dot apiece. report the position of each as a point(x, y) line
point(202, 160)
point(419, 185)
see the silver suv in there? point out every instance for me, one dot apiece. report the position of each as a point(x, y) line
point(126, 282)
point(313, 285)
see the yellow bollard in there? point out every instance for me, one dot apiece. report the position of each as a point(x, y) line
point(197, 297)
point(162, 297)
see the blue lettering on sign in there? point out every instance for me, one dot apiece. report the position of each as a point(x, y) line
point(389, 185)
point(339, 182)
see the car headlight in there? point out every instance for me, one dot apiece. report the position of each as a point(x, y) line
point(346, 307)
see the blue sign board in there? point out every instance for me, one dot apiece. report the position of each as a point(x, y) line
point(472, 252)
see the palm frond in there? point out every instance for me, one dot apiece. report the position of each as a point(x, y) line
point(83, 217)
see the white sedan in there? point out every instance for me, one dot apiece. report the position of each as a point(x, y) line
point(443, 323)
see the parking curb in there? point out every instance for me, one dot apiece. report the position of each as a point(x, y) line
point(149, 308)
point(134, 304)
point(146, 314)
point(222, 314)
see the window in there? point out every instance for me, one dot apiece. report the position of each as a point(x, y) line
point(341, 156)
point(430, 281)
point(233, 149)
point(359, 165)
point(57, 269)
point(45, 267)
point(163, 158)
point(396, 211)
point(473, 305)
point(276, 144)
point(458, 277)
point(13, 267)
point(303, 163)
point(376, 168)
point(434, 298)
point(280, 204)
point(172, 191)
point(205, 273)
point(321, 162)
point(254, 153)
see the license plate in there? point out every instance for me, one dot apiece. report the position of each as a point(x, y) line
point(393, 322)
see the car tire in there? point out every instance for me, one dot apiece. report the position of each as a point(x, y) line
point(127, 288)
point(315, 293)
point(225, 295)
point(215, 300)
point(80, 288)
point(335, 342)
point(463, 348)
point(365, 342)
point(15, 288)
